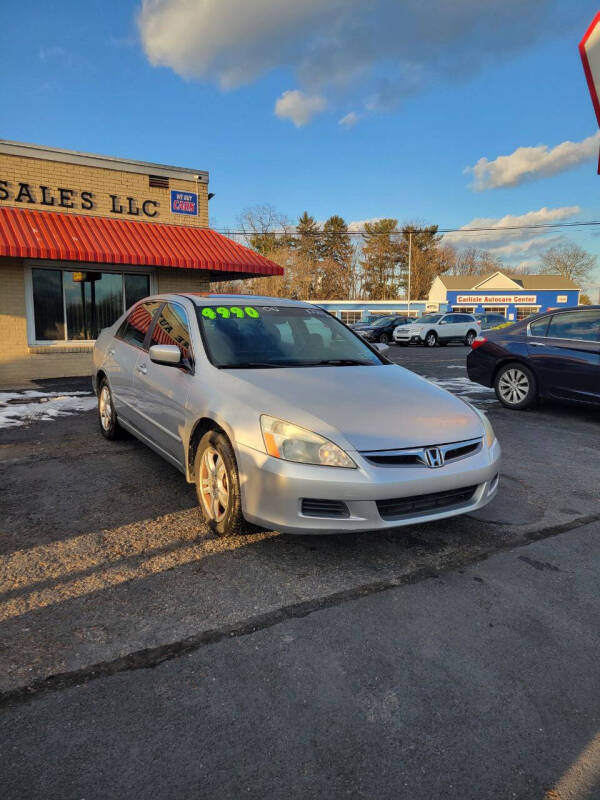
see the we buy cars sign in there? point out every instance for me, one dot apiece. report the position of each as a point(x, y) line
point(589, 50)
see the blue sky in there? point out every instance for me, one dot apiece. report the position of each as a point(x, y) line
point(197, 84)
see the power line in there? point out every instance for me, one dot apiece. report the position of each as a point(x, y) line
point(363, 232)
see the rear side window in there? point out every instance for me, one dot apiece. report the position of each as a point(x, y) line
point(539, 327)
point(581, 325)
point(172, 327)
point(137, 324)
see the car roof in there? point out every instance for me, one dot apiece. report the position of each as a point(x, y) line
point(211, 299)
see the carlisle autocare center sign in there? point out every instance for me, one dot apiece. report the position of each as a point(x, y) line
point(518, 299)
point(184, 202)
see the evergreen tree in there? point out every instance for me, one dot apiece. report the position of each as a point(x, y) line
point(381, 256)
point(308, 240)
point(337, 254)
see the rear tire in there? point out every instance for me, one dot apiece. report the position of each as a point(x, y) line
point(107, 416)
point(470, 338)
point(384, 338)
point(430, 339)
point(218, 486)
point(515, 386)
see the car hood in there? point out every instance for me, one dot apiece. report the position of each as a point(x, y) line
point(362, 408)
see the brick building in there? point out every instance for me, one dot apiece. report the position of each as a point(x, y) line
point(84, 236)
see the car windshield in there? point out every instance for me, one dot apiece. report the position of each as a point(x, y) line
point(429, 318)
point(255, 337)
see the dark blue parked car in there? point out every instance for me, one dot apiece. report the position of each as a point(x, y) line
point(555, 354)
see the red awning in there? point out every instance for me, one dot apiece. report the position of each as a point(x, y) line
point(25, 233)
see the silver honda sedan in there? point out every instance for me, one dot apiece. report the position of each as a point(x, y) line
point(286, 419)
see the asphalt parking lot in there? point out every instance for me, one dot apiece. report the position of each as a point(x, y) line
point(139, 657)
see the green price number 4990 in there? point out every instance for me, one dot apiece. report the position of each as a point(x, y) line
point(226, 312)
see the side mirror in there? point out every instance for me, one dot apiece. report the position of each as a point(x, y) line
point(383, 348)
point(168, 354)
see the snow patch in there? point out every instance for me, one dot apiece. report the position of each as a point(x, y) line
point(23, 408)
point(463, 387)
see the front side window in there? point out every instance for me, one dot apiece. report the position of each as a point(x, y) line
point(172, 327)
point(76, 305)
point(430, 318)
point(136, 326)
point(582, 325)
point(240, 337)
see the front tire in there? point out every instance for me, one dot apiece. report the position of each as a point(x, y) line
point(218, 485)
point(515, 386)
point(107, 416)
point(430, 339)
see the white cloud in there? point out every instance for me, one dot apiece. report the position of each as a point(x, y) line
point(532, 163)
point(350, 120)
point(375, 51)
point(359, 224)
point(299, 107)
point(509, 237)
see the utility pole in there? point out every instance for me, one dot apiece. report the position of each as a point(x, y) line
point(409, 266)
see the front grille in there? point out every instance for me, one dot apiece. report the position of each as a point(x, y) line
point(395, 459)
point(415, 457)
point(324, 508)
point(419, 504)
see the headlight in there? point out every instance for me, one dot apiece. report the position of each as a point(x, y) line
point(487, 426)
point(292, 443)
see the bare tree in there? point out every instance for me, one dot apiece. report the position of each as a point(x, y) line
point(568, 260)
point(473, 261)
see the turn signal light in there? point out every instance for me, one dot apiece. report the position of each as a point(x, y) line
point(478, 341)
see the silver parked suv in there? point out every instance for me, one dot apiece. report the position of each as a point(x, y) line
point(266, 405)
point(432, 329)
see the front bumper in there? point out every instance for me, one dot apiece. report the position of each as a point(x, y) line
point(272, 490)
point(407, 338)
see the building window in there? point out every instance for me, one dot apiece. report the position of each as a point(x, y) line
point(526, 311)
point(75, 306)
point(464, 309)
point(350, 317)
point(495, 310)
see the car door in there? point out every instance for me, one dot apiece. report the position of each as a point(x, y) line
point(162, 390)
point(122, 355)
point(448, 327)
point(565, 354)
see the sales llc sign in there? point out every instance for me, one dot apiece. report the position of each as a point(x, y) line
point(184, 203)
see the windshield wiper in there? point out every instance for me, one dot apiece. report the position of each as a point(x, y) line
point(252, 365)
point(338, 362)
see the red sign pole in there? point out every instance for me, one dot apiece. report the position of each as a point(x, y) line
point(591, 43)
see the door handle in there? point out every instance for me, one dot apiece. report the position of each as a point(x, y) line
point(142, 369)
point(537, 344)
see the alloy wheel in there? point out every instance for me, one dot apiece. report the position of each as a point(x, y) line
point(430, 340)
point(214, 484)
point(513, 386)
point(105, 408)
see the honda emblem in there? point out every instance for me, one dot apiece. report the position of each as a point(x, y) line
point(435, 457)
